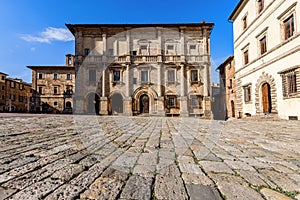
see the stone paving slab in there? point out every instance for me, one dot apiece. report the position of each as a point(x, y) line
point(92, 157)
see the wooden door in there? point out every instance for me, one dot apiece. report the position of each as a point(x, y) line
point(266, 98)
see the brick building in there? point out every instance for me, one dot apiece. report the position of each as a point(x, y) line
point(227, 85)
point(131, 69)
point(2, 91)
point(53, 87)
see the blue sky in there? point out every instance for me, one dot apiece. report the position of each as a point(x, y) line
point(33, 32)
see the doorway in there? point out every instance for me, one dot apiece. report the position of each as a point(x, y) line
point(116, 103)
point(232, 108)
point(144, 104)
point(266, 98)
point(93, 104)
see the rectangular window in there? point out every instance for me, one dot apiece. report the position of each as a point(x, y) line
point(3, 77)
point(261, 5)
point(194, 76)
point(40, 88)
point(194, 101)
point(263, 45)
point(117, 75)
point(170, 47)
point(110, 52)
point(3, 97)
point(69, 60)
point(133, 53)
point(86, 52)
point(21, 98)
point(292, 83)
point(3, 87)
point(40, 75)
point(172, 102)
point(244, 22)
point(55, 103)
point(230, 83)
point(143, 47)
point(289, 27)
point(247, 93)
point(12, 97)
point(69, 76)
point(12, 84)
point(144, 76)
point(134, 81)
point(246, 57)
point(92, 75)
point(55, 76)
point(193, 47)
point(21, 87)
point(55, 90)
point(171, 76)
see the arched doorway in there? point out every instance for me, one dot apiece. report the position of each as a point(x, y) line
point(266, 98)
point(116, 103)
point(232, 108)
point(93, 103)
point(68, 104)
point(144, 103)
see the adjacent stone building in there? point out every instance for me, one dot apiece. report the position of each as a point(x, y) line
point(266, 53)
point(2, 91)
point(152, 69)
point(53, 87)
point(227, 86)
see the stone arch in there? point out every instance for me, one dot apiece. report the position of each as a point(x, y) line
point(265, 78)
point(152, 94)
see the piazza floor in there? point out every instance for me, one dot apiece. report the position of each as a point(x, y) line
point(92, 157)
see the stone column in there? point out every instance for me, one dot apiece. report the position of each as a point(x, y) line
point(127, 102)
point(103, 98)
point(183, 97)
point(160, 101)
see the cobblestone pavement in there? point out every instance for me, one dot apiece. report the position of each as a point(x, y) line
point(89, 157)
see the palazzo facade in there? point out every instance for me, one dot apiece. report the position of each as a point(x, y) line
point(142, 69)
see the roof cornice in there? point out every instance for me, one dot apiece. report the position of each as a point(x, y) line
point(237, 9)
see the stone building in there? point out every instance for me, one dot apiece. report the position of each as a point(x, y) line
point(2, 91)
point(266, 53)
point(17, 95)
point(227, 86)
point(152, 69)
point(53, 87)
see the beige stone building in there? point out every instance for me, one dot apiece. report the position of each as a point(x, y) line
point(53, 87)
point(2, 91)
point(131, 69)
point(228, 87)
point(266, 53)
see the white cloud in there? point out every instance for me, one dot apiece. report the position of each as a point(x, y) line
point(32, 49)
point(50, 34)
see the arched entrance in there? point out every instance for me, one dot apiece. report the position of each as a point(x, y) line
point(116, 103)
point(144, 103)
point(92, 101)
point(68, 104)
point(266, 98)
point(232, 108)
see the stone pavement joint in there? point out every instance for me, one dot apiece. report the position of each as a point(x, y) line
point(93, 157)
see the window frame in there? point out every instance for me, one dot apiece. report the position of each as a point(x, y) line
point(260, 6)
point(87, 51)
point(196, 101)
point(171, 74)
point(171, 101)
point(40, 89)
point(195, 72)
point(70, 76)
point(247, 93)
point(40, 75)
point(56, 90)
point(246, 56)
point(92, 75)
point(114, 75)
point(55, 76)
point(289, 21)
point(245, 22)
point(263, 45)
point(145, 71)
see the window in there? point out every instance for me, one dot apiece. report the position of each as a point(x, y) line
point(21, 98)
point(55, 103)
point(3, 87)
point(230, 83)
point(143, 47)
point(21, 87)
point(110, 52)
point(12, 97)
point(195, 101)
point(133, 53)
point(69, 76)
point(117, 77)
point(12, 84)
point(55, 76)
point(92, 75)
point(289, 27)
point(263, 45)
point(290, 84)
point(55, 90)
point(144, 76)
point(244, 22)
point(247, 93)
point(193, 47)
point(40, 75)
point(260, 5)
point(246, 57)
point(194, 76)
point(3, 97)
point(134, 81)
point(3, 77)
point(171, 102)
point(170, 47)
point(86, 52)
point(171, 76)
point(40, 89)
point(70, 60)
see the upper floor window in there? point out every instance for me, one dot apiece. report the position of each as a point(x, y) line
point(12, 84)
point(92, 75)
point(246, 56)
point(193, 47)
point(144, 76)
point(69, 76)
point(110, 52)
point(263, 45)
point(3, 87)
point(40, 76)
point(170, 47)
point(195, 101)
point(3, 77)
point(244, 22)
point(117, 76)
point(86, 52)
point(55, 90)
point(194, 76)
point(21, 87)
point(260, 5)
point(143, 47)
point(40, 89)
point(171, 76)
point(55, 76)
point(70, 60)
point(21, 98)
point(12, 97)
point(289, 27)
